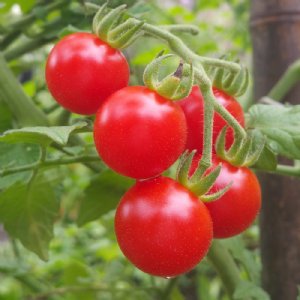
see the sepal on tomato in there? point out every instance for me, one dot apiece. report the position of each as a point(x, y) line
point(111, 26)
point(234, 84)
point(174, 86)
point(243, 152)
point(202, 179)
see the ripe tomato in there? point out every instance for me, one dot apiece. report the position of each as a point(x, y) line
point(162, 228)
point(235, 211)
point(138, 133)
point(82, 71)
point(193, 109)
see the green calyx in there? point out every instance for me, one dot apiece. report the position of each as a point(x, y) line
point(174, 86)
point(244, 152)
point(112, 26)
point(202, 179)
point(233, 83)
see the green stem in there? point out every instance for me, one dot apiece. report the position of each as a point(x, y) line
point(221, 110)
point(188, 55)
point(178, 46)
point(77, 289)
point(51, 163)
point(37, 166)
point(286, 82)
point(219, 63)
point(22, 108)
point(15, 28)
point(27, 46)
point(223, 262)
point(181, 28)
point(293, 171)
point(9, 38)
point(174, 42)
point(208, 126)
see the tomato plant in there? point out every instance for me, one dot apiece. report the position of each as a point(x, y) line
point(194, 112)
point(138, 133)
point(82, 71)
point(162, 228)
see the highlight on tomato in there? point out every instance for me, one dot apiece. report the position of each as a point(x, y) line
point(162, 228)
point(139, 133)
point(82, 71)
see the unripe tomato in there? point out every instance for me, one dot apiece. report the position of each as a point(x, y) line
point(236, 210)
point(82, 71)
point(162, 228)
point(194, 111)
point(138, 133)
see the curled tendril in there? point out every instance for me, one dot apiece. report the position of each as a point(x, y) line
point(243, 152)
point(112, 26)
point(202, 180)
point(174, 86)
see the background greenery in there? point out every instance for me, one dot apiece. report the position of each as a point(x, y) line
point(84, 261)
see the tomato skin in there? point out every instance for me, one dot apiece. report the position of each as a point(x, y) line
point(138, 133)
point(82, 71)
point(235, 211)
point(194, 111)
point(162, 228)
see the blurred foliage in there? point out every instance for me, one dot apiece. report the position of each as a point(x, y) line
point(85, 262)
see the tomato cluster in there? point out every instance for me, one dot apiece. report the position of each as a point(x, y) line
point(161, 227)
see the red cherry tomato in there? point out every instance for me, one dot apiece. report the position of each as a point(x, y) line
point(162, 228)
point(138, 133)
point(82, 71)
point(193, 109)
point(235, 211)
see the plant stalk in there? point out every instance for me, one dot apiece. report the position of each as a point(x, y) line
point(26, 47)
point(286, 82)
point(51, 163)
point(223, 262)
point(293, 171)
point(208, 127)
point(22, 108)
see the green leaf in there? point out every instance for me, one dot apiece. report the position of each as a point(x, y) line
point(298, 298)
point(15, 155)
point(28, 214)
point(267, 159)
point(42, 135)
point(280, 124)
point(102, 196)
point(12, 155)
point(248, 289)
